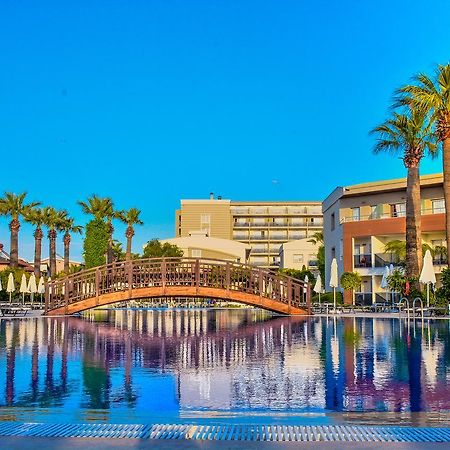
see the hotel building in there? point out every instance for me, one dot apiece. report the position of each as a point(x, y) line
point(359, 220)
point(264, 226)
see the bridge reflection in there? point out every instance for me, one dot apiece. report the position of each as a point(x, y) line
point(223, 360)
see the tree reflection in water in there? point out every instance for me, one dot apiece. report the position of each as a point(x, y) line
point(173, 361)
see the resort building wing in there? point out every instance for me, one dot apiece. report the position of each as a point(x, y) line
point(360, 220)
point(264, 226)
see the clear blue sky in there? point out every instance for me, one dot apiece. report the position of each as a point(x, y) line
point(153, 101)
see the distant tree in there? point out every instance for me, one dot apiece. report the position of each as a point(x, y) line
point(95, 243)
point(35, 216)
point(68, 227)
point(54, 220)
point(14, 206)
point(130, 218)
point(351, 281)
point(299, 274)
point(154, 249)
point(317, 239)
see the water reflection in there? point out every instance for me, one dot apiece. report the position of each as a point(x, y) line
point(153, 365)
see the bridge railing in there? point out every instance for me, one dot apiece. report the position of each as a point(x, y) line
point(169, 272)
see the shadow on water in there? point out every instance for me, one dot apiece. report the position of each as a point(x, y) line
point(241, 365)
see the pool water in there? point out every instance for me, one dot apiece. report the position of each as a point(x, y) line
point(230, 365)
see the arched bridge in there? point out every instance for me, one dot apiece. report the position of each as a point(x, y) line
point(177, 277)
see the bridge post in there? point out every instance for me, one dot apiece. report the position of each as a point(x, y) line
point(289, 294)
point(197, 276)
point(163, 275)
point(260, 285)
point(130, 278)
point(97, 286)
point(228, 278)
point(66, 296)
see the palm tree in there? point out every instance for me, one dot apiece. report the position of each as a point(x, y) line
point(410, 135)
point(130, 218)
point(68, 227)
point(317, 238)
point(102, 208)
point(13, 205)
point(54, 220)
point(36, 217)
point(432, 96)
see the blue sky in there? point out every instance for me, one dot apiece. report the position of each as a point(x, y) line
point(153, 101)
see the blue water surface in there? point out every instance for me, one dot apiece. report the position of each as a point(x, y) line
point(217, 366)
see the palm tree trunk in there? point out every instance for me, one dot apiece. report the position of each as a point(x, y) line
point(413, 223)
point(446, 170)
point(66, 253)
point(52, 252)
point(129, 235)
point(14, 227)
point(38, 235)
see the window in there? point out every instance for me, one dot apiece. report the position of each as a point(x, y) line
point(356, 214)
point(196, 253)
point(333, 221)
point(205, 218)
point(298, 258)
point(438, 206)
point(333, 253)
point(398, 210)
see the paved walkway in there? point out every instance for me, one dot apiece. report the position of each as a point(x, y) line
point(33, 443)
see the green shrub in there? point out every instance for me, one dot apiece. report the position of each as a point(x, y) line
point(328, 298)
point(95, 243)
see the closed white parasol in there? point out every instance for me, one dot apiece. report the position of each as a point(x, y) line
point(427, 276)
point(318, 286)
point(10, 286)
point(23, 287)
point(334, 283)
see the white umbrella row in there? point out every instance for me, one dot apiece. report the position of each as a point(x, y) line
point(30, 287)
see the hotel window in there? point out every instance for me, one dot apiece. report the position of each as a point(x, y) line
point(297, 258)
point(438, 206)
point(356, 214)
point(398, 210)
point(333, 221)
point(196, 253)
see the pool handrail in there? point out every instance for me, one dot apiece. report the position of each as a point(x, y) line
point(406, 301)
point(421, 306)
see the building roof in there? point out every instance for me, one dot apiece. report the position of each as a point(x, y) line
point(383, 186)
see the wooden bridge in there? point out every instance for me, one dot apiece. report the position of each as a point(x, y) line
point(177, 277)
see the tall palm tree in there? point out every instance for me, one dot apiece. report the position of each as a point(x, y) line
point(14, 205)
point(316, 238)
point(68, 227)
point(130, 218)
point(432, 95)
point(36, 217)
point(54, 220)
point(410, 135)
point(103, 209)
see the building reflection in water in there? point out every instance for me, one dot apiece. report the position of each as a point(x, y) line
point(169, 362)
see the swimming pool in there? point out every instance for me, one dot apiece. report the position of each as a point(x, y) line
point(217, 366)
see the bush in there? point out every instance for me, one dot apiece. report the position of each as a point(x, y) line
point(328, 298)
point(95, 243)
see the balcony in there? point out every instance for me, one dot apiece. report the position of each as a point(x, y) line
point(359, 218)
point(386, 259)
point(362, 260)
point(259, 250)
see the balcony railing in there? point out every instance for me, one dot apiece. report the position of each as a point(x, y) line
point(362, 260)
point(359, 218)
point(386, 259)
point(363, 298)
